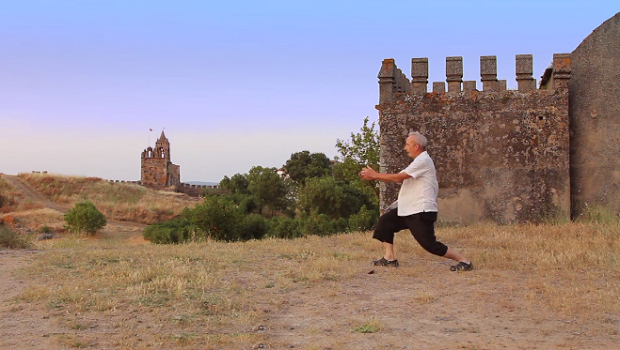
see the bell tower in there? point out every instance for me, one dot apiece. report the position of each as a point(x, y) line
point(162, 147)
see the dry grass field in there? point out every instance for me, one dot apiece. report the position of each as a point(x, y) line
point(554, 286)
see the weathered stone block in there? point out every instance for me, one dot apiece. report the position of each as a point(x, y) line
point(488, 73)
point(439, 86)
point(419, 74)
point(524, 70)
point(469, 85)
point(454, 73)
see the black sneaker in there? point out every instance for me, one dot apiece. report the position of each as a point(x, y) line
point(385, 262)
point(461, 266)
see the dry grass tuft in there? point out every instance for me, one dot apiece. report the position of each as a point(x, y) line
point(13, 240)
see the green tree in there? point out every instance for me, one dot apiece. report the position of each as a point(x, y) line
point(237, 187)
point(361, 151)
point(268, 189)
point(85, 218)
point(333, 198)
point(238, 183)
point(304, 165)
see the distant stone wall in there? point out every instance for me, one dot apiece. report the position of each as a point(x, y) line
point(595, 119)
point(195, 190)
point(174, 174)
point(501, 155)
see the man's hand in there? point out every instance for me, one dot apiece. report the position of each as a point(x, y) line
point(368, 174)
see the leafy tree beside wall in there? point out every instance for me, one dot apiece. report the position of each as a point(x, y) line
point(333, 198)
point(361, 151)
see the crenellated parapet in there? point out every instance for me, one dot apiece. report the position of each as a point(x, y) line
point(392, 80)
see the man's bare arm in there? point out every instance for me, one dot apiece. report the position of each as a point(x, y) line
point(371, 174)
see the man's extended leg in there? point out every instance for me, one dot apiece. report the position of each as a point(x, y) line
point(456, 256)
point(422, 227)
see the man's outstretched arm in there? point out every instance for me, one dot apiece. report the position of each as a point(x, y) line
point(371, 174)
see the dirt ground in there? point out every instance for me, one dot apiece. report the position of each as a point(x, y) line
point(411, 313)
point(432, 310)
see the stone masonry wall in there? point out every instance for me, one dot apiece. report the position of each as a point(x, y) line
point(154, 172)
point(595, 120)
point(501, 155)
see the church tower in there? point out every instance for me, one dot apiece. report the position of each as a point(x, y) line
point(162, 147)
point(157, 169)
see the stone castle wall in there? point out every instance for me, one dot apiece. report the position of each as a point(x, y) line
point(595, 120)
point(501, 155)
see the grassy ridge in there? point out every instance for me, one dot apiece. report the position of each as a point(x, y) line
point(117, 201)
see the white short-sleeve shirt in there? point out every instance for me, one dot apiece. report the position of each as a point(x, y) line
point(418, 193)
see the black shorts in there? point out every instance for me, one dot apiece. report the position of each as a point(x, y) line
point(421, 226)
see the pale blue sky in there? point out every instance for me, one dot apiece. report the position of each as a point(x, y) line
point(236, 83)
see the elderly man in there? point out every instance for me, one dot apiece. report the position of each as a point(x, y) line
point(416, 208)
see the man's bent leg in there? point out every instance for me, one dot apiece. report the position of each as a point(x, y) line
point(389, 251)
point(389, 223)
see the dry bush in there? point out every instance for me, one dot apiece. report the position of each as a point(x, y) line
point(12, 239)
point(117, 201)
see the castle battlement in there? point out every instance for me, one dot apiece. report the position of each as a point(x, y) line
point(501, 155)
point(392, 80)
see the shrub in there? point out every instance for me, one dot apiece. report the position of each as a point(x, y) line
point(13, 240)
point(363, 220)
point(255, 227)
point(177, 230)
point(85, 218)
point(218, 218)
point(323, 225)
point(284, 227)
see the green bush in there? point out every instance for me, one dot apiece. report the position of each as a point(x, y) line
point(218, 218)
point(363, 220)
point(255, 227)
point(284, 227)
point(177, 230)
point(85, 218)
point(13, 240)
point(322, 225)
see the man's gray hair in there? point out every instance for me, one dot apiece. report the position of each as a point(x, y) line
point(419, 139)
